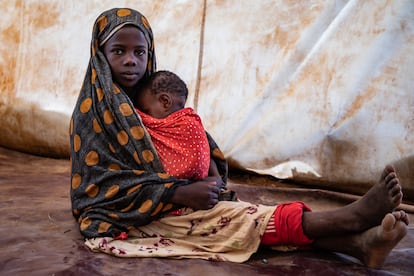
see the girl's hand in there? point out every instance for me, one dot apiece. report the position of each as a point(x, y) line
point(200, 195)
point(217, 179)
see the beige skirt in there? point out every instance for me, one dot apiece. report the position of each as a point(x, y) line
point(231, 231)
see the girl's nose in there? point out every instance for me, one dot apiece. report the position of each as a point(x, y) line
point(131, 60)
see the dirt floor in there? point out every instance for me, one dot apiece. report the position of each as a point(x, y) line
point(38, 235)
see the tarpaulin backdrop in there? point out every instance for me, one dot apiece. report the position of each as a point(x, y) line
point(315, 91)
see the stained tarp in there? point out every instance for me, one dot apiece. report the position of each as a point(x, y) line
point(314, 91)
point(39, 236)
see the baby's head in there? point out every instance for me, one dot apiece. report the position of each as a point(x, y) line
point(162, 94)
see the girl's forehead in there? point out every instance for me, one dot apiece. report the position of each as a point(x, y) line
point(130, 29)
point(129, 33)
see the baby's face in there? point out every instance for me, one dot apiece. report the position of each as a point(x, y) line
point(150, 104)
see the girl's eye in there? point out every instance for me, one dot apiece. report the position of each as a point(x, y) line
point(140, 52)
point(117, 51)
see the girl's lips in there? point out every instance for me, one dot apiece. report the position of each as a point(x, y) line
point(130, 76)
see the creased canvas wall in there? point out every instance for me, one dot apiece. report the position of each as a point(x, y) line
point(318, 91)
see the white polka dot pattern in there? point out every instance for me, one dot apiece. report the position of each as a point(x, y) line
point(181, 143)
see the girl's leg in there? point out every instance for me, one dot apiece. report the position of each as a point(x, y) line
point(360, 215)
point(372, 246)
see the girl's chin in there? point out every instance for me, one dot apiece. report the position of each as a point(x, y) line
point(129, 88)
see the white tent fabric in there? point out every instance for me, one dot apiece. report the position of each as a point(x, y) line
point(317, 91)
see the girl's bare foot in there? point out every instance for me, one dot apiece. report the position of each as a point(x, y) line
point(360, 215)
point(372, 246)
point(381, 199)
point(376, 243)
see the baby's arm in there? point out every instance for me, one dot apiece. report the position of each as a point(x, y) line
point(213, 170)
point(214, 174)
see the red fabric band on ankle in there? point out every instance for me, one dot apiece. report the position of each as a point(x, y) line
point(285, 227)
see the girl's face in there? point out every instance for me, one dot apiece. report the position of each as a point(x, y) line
point(127, 55)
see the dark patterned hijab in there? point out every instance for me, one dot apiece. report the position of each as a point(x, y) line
point(117, 180)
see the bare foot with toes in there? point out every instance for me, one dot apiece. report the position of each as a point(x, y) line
point(377, 243)
point(381, 199)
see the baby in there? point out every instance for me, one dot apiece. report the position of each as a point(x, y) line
point(177, 132)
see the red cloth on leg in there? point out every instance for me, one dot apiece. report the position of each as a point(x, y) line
point(285, 226)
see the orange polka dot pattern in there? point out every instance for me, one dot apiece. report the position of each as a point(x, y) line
point(117, 179)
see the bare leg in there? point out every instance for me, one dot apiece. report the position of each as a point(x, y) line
point(360, 215)
point(372, 246)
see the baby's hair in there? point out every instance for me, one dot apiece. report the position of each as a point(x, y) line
point(167, 82)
